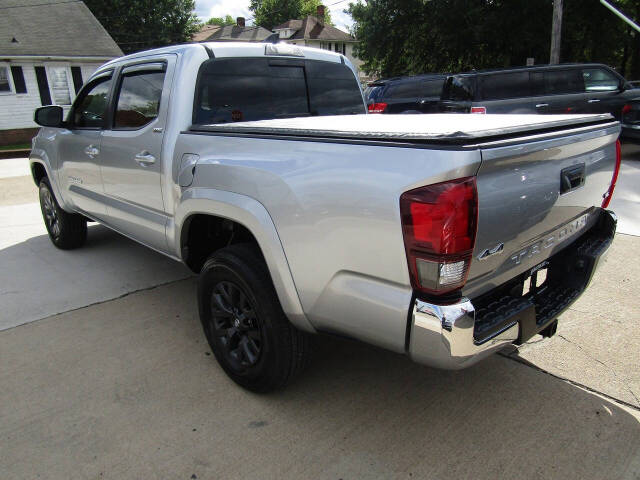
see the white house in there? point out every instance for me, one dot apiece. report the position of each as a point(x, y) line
point(313, 32)
point(47, 49)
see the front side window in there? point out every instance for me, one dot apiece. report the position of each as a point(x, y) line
point(247, 89)
point(139, 99)
point(5, 87)
point(599, 80)
point(59, 85)
point(91, 105)
point(505, 85)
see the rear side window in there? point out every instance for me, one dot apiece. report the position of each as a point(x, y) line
point(555, 82)
point(139, 99)
point(504, 85)
point(247, 89)
point(432, 88)
point(599, 80)
point(458, 88)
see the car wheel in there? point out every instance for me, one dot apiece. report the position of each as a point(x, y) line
point(248, 332)
point(66, 230)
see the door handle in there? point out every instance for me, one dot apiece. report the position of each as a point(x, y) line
point(542, 105)
point(92, 151)
point(593, 100)
point(144, 158)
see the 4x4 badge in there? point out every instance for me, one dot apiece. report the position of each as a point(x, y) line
point(491, 251)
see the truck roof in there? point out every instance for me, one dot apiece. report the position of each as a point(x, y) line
point(440, 128)
point(229, 49)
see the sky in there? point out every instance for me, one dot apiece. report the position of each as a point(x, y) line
point(206, 9)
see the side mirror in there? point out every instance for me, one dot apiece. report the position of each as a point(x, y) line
point(49, 116)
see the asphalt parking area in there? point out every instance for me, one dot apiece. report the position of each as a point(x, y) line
point(118, 382)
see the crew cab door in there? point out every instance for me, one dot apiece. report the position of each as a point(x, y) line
point(131, 151)
point(79, 146)
point(558, 91)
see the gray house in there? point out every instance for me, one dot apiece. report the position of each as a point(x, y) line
point(231, 33)
point(47, 49)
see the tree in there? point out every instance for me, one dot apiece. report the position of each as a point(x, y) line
point(269, 13)
point(401, 37)
point(142, 24)
point(227, 20)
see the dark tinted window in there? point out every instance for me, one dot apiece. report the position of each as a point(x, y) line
point(504, 85)
point(432, 88)
point(407, 89)
point(138, 99)
point(333, 89)
point(599, 80)
point(374, 92)
point(555, 82)
point(458, 88)
point(233, 90)
point(91, 106)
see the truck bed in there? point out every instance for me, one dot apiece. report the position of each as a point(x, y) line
point(440, 129)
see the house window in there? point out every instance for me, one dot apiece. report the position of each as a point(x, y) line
point(5, 86)
point(59, 85)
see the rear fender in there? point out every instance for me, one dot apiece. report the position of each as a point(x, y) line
point(252, 215)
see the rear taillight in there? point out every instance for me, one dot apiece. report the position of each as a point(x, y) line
point(439, 226)
point(607, 196)
point(478, 109)
point(377, 107)
point(626, 109)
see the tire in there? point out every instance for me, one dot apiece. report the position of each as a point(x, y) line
point(249, 334)
point(66, 230)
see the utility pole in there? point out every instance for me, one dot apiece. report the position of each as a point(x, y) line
point(556, 30)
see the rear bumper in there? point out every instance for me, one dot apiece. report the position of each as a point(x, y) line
point(458, 335)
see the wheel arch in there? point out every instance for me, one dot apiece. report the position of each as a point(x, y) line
point(224, 212)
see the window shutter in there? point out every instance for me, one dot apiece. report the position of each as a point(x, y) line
point(43, 86)
point(18, 79)
point(76, 73)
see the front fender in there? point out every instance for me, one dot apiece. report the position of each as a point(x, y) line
point(253, 216)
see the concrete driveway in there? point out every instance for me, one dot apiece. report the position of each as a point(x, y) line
point(116, 381)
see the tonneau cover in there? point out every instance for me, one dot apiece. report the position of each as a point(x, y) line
point(445, 128)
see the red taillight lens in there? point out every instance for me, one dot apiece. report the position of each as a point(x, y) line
point(377, 107)
point(626, 109)
point(439, 226)
point(607, 196)
point(478, 109)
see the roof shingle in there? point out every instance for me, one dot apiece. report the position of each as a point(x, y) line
point(58, 28)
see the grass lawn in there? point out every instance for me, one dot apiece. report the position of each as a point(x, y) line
point(18, 146)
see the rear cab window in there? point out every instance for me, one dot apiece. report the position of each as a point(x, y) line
point(248, 89)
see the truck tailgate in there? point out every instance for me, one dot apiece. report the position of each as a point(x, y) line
point(536, 196)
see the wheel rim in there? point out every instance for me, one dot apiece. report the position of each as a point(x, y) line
point(50, 213)
point(235, 325)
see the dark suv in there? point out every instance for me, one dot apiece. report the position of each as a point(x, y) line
point(418, 94)
point(568, 88)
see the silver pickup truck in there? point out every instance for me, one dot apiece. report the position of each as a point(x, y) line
point(445, 237)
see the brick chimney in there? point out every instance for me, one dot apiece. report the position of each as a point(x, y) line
point(320, 13)
point(240, 22)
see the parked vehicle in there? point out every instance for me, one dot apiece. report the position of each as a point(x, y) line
point(443, 237)
point(417, 94)
point(567, 88)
